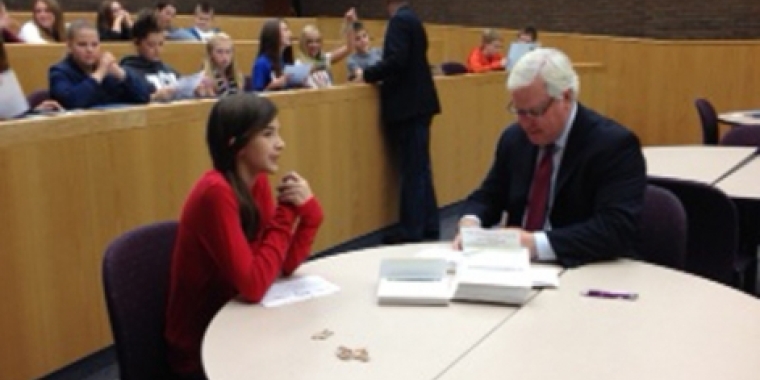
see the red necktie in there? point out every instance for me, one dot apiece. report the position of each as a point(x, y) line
point(539, 191)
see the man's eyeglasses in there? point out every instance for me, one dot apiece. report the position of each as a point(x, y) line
point(531, 112)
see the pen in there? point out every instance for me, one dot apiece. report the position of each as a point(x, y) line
point(630, 296)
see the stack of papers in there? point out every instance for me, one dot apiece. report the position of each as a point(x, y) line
point(452, 257)
point(425, 293)
point(495, 276)
point(414, 281)
point(493, 267)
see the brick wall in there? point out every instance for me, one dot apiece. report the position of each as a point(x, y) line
point(674, 19)
point(665, 19)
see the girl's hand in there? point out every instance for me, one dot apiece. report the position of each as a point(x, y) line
point(294, 189)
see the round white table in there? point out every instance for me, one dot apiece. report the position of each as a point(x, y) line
point(741, 118)
point(700, 163)
point(681, 327)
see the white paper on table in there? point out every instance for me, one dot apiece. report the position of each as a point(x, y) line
point(12, 99)
point(297, 288)
point(186, 85)
point(476, 238)
point(516, 51)
point(545, 277)
point(297, 74)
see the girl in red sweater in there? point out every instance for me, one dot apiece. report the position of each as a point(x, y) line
point(233, 238)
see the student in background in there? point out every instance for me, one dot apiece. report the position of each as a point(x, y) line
point(268, 73)
point(8, 26)
point(219, 66)
point(204, 22)
point(10, 111)
point(114, 22)
point(47, 24)
point(160, 78)
point(487, 57)
point(364, 55)
point(165, 12)
point(528, 34)
point(235, 237)
point(310, 45)
point(88, 77)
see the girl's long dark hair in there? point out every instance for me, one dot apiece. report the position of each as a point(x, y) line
point(270, 43)
point(233, 121)
point(105, 16)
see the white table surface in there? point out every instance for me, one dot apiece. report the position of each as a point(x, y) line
point(681, 327)
point(698, 163)
point(740, 118)
point(744, 182)
point(247, 341)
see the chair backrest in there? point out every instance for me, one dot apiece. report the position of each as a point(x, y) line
point(248, 83)
point(136, 270)
point(748, 135)
point(709, 120)
point(712, 228)
point(453, 68)
point(37, 97)
point(662, 229)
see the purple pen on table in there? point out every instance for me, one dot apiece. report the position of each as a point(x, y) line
point(616, 294)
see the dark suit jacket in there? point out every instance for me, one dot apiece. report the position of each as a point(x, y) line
point(407, 90)
point(598, 194)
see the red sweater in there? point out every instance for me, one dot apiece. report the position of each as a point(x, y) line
point(212, 260)
point(477, 62)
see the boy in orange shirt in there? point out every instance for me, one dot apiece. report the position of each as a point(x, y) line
point(487, 57)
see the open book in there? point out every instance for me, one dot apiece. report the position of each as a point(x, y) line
point(498, 276)
point(496, 268)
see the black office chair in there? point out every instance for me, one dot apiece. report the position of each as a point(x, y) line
point(136, 270)
point(709, 120)
point(713, 229)
point(662, 229)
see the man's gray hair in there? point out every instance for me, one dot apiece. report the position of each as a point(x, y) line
point(549, 64)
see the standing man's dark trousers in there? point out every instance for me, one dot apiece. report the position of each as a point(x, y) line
point(410, 142)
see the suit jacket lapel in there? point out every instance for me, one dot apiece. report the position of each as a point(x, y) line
point(571, 157)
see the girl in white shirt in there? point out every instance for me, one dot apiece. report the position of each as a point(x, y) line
point(47, 25)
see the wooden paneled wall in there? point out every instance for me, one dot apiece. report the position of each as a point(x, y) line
point(651, 85)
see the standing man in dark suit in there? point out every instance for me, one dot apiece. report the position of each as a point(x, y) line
point(570, 180)
point(408, 103)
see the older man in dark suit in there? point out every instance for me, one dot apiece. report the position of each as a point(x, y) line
point(571, 180)
point(408, 103)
